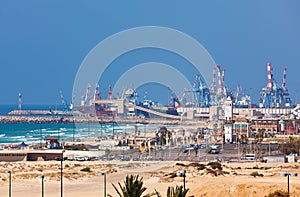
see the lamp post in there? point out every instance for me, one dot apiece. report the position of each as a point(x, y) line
point(42, 177)
point(61, 159)
point(181, 173)
point(288, 179)
point(61, 177)
point(104, 174)
point(9, 186)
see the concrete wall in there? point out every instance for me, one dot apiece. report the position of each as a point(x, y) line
point(44, 156)
point(9, 157)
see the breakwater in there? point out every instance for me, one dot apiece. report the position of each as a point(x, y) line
point(82, 119)
point(15, 119)
point(39, 112)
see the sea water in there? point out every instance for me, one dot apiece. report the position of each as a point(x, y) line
point(33, 133)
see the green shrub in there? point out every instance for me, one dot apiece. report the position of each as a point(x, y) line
point(199, 166)
point(86, 169)
point(225, 172)
point(213, 172)
point(278, 193)
point(255, 174)
point(215, 165)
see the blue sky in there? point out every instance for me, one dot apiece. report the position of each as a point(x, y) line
point(43, 43)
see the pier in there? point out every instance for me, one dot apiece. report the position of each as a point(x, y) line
point(18, 119)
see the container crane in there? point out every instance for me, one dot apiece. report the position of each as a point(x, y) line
point(274, 95)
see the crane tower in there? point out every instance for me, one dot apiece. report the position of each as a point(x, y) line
point(274, 95)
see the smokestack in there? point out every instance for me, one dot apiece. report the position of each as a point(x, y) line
point(270, 81)
point(219, 80)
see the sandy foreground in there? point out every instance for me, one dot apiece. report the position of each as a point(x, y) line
point(233, 180)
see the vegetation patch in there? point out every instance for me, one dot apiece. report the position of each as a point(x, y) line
point(255, 174)
point(215, 165)
point(199, 166)
point(171, 175)
point(193, 164)
point(225, 172)
point(278, 193)
point(86, 169)
point(211, 171)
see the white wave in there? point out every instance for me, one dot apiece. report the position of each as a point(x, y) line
point(60, 134)
point(17, 137)
point(52, 131)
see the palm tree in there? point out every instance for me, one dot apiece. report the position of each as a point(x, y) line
point(177, 192)
point(133, 187)
point(174, 192)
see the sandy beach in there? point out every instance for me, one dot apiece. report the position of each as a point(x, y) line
point(233, 180)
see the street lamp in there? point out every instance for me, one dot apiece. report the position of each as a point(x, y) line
point(288, 180)
point(9, 186)
point(42, 177)
point(104, 174)
point(181, 173)
point(61, 159)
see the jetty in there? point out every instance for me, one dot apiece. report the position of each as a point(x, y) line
point(40, 119)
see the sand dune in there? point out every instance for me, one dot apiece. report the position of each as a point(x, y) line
point(233, 180)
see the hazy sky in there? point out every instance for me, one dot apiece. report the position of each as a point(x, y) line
point(43, 43)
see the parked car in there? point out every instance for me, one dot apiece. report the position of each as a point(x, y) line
point(190, 147)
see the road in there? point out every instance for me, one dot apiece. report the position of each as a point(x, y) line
point(229, 152)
